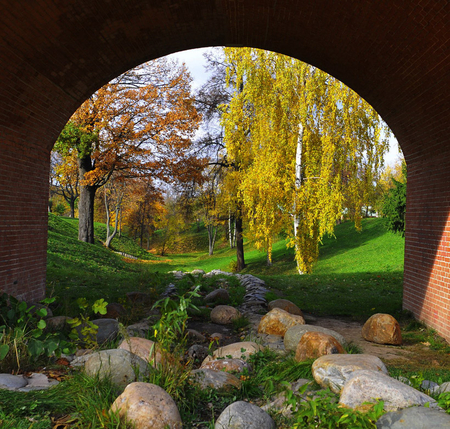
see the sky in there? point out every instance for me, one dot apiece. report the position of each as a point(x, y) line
point(196, 62)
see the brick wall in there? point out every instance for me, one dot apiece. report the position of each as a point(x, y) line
point(394, 53)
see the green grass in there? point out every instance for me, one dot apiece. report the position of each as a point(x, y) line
point(358, 273)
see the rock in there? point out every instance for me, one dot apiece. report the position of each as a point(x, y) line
point(10, 382)
point(429, 385)
point(444, 387)
point(218, 295)
point(316, 344)
point(216, 336)
point(414, 418)
point(333, 371)
point(147, 406)
point(140, 298)
point(114, 310)
point(294, 334)
point(224, 314)
point(285, 305)
point(145, 349)
point(243, 415)
point(218, 380)
point(195, 335)
point(218, 273)
point(278, 321)
point(107, 329)
point(382, 329)
point(122, 366)
point(171, 290)
point(177, 274)
point(369, 386)
point(235, 351)
point(227, 365)
point(197, 352)
point(57, 323)
point(198, 272)
point(38, 381)
point(138, 329)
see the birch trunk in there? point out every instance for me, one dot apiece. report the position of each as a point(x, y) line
point(298, 184)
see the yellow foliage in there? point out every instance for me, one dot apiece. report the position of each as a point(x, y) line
point(279, 106)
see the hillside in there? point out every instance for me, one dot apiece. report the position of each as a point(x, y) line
point(358, 273)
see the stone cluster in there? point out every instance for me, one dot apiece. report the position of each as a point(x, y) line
point(356, 378)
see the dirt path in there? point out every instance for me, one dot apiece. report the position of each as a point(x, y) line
point(351, 331)
point(413, 356)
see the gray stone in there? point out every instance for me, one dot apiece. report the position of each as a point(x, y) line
point(218, 295)
point(122, 366)
point(370, 386)
point(429, 385)
point(414, 418)
point(37, 381)
point(107, 329)
point(333, 371)
point(219, 380)
point(198, 352)
point(198, 272)
point(9, 381)
point(242, 415)
point(294, 334)
point(217, 273)
point(138, 329)
point(444, 387)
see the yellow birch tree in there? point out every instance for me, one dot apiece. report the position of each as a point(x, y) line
point(305, 148)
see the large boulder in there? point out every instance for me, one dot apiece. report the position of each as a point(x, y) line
point(121, 366)
point(243, 415)
point(370, 386)
point(382, 329)
point(224, 314)
point(278, 321)
point(285, 305)
point(294, 334)
point(414, 418)
point(219, 380)
point(147, 406)
point(333, 371)
point(316, 344)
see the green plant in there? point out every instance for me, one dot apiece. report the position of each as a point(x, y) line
point(240, 323)
point(87, 332)
point(322, 410)
point(443, 401)
point(169, 334)
point(23, 334)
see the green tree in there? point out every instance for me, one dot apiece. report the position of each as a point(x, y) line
point(394, 205)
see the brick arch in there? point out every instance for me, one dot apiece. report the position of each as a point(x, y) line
point(395, 53)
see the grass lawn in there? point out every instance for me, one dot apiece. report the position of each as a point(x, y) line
point(358, 273)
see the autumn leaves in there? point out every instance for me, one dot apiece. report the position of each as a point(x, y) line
point(299, 148)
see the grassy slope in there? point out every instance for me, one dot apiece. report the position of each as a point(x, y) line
point(357, 275)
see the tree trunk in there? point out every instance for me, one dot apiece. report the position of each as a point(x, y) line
point(86, 204)
point(72, 208)
point(109, 235)
point(239, 244)
point(298, 184)
point(212, 234)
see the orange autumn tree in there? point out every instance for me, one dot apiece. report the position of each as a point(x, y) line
point(140, 124)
